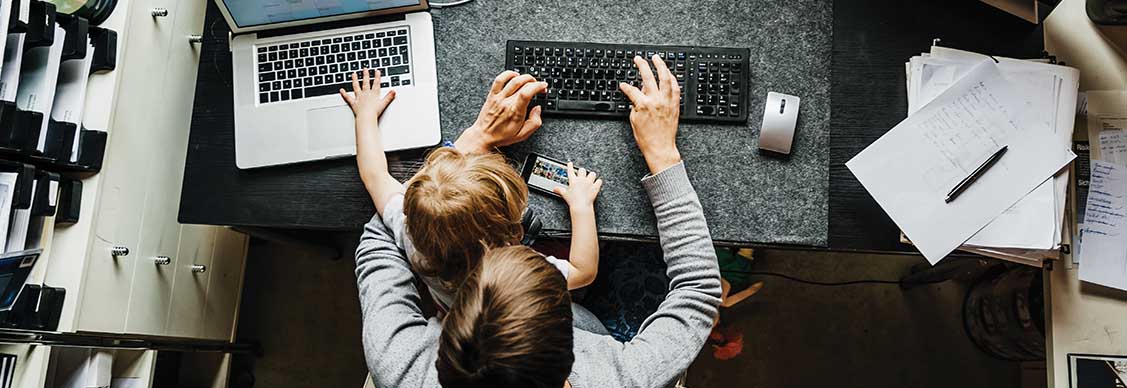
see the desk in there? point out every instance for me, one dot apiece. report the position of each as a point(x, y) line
point(810, 200)
point(1082, 317)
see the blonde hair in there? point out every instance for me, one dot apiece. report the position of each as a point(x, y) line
point(458, 205)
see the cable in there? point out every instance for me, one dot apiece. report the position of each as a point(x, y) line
point(832, 284)
point(450, 4)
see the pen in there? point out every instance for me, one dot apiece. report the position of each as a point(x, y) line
point(966, 182)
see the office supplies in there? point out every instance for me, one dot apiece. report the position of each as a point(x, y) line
point(780, 118)
point(287, 106)
point(1033, 228)
point(67, 111)
point(963, 184)
point(1113, 145)
point(583, 78)
point(40, 24)
point(14, 270)
point(909, 170)
point(9, 87)
point(7, 369)
point(5, 21)
point(105, 49)
point(70, 201)
point(39, 75)
point(1104, 236)
point(7, 195)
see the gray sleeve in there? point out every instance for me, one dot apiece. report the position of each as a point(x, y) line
point(399, 343)
point(669, 340)
point(395, 220)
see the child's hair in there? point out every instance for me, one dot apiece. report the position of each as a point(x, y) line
point(510, 325)
point(458, 205)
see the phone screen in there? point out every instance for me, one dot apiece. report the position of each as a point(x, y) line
point(547, 174)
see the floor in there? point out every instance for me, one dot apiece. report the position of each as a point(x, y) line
point(302, 308)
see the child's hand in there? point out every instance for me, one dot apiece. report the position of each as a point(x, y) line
point(365, 100)
point(582, 188)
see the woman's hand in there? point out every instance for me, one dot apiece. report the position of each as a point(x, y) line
point(582, 188)
point(655, 114)
point(503, 119)
point(366, 102)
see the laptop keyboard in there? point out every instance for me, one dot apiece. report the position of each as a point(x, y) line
point(323, 65)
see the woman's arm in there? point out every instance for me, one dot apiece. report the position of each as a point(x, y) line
point(399, 342)
point(669, 339)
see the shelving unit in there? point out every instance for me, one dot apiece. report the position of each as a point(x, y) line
point(129, 274)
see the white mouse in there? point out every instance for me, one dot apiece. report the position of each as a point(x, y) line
point(780, 117)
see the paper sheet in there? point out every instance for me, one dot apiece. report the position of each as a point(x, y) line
point(10, 78)
point(1113, 141)
point(911, 168)
point(1045, 87)
point(5, 9)
point(1105, 227)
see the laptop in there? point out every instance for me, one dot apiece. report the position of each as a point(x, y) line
point(288, 67)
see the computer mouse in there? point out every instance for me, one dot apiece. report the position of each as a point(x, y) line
point(780, 117)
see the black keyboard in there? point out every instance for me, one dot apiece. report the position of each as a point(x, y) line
point(321, 66)
point(583, 78)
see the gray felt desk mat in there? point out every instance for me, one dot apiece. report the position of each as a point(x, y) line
point(747, 197)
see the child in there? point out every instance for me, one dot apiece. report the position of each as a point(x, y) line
point(459, 205)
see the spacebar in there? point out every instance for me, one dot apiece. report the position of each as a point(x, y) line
point(322, 90)
point(602, 106)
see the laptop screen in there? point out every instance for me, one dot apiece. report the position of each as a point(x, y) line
point(250, 13)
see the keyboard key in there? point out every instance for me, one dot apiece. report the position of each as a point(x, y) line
point(263, 77)
point(369, 36)
point(274, 96)
point(285, 95)
point(264, 87)
point(585, 105)
point(381, 34)
point(261, 49)
point(406, 82)
point(400, 40)
point(398, 70)
point(263, 67)
point(324, 90)
point(386, 41)
point(287, 84)
point(263, 98)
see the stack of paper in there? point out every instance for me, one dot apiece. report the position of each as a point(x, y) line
point(962, 108)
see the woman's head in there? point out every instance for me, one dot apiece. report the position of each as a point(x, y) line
point(510, 325)
point(456, 206)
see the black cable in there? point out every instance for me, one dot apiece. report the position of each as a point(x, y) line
point(831, 284)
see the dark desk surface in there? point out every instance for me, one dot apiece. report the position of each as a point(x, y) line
point(809, 200)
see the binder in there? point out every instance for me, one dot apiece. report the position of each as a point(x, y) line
point(105, 49)
point(41, 24)
point(39, 75)
point(70, 201)
point(18, 219)
point(9, 87)
point(5, 22)
point(15, 266)
point(46, 197)
point(70, 93)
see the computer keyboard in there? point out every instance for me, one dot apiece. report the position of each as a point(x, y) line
point(323, 65)
point(583, 78)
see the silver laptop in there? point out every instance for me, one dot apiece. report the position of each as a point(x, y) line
point(287, 105)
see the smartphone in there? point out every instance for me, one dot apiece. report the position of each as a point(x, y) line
point(544, 174)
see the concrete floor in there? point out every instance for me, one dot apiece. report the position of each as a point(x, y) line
point(304, 311)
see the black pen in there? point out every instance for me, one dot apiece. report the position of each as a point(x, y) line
point(966, 182)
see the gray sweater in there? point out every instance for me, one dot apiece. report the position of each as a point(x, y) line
point(401, 345)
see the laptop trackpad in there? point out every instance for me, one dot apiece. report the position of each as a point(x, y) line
point(330, 128)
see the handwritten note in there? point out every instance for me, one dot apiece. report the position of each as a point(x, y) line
point(1113, 139)
point(1104, 237)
